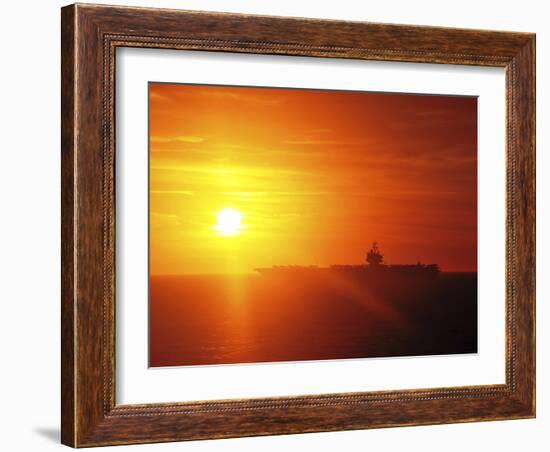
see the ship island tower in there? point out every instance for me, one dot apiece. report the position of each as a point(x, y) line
point(374, 257)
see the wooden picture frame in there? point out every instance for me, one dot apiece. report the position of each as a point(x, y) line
point(90, 36)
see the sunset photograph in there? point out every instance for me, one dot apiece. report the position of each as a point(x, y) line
point(291, 224)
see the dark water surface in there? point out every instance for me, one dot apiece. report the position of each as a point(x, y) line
point(205, 319)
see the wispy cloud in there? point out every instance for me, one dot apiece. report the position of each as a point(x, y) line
point(252, 96)
point(155, 95)
point(323, 142)
point(178, 139)
point(320, 131)
point(249, 95)
point(172, 192)
point(253, 194)
point(164, 221)
point(223, 171)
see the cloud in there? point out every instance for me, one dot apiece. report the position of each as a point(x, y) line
point(154, 95)
point(270, 97)
point(172, 192)
point(261, 194)
point(250, 95)
point(323, 142)
point(190, 139)
point(178, 139)
point(163, 221)
point(228, 171)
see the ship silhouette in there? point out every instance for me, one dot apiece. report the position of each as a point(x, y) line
point(374, 268)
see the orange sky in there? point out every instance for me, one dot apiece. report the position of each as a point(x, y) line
point(317, 175)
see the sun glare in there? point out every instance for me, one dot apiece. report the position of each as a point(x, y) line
point(229, 222)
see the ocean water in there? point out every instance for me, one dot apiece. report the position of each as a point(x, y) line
point(223, 319)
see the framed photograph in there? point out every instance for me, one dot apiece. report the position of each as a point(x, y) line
point(281, 225)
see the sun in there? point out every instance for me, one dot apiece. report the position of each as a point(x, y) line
point(229, 222)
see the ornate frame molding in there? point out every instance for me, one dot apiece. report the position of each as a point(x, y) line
point(90, 37)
